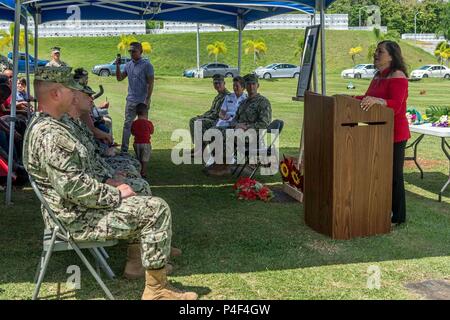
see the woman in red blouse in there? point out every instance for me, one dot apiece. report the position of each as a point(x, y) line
point(389, 88)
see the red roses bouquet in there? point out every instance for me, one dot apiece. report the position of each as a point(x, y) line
point(249, 189)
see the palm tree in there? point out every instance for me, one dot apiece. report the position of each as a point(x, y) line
point(299, 49)
point(442, 52)
point(257, 47)
point(147, 47)
point(216, 48)
point(353, 52)
point(125, 41)
point(7, 38)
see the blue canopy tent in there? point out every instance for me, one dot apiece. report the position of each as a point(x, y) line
point(233, 13)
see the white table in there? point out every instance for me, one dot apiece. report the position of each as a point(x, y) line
point(429, 130)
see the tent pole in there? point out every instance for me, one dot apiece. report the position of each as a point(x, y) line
point(27, 62)
point(239, 50)
point(36, 51)
point(13, 101)
point(198, 49)
point(322, 46)
point(240, 29)
point(315, 76)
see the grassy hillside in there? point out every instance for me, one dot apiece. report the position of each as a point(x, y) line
point(172, 53)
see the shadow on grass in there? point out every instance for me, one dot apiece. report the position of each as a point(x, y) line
point(432, 181)
point(220, 234)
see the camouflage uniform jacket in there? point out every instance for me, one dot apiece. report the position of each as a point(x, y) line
point(213, 113)
point(64, 172)
point(255, 112)
point(4, 63)
point(53, 63)
point(101, 168)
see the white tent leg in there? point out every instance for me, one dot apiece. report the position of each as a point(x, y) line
point(240, 51)
point(198, 49)
point(240, 29)
point(13, 101)
point(27, 63)
point(315, 76)
point(322, 44)
point(36, 51)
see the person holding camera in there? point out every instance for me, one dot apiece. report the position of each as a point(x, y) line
point(141, 78)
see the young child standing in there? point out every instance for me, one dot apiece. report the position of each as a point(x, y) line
point(142, 129)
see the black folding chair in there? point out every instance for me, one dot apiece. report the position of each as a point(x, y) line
point(59, 239)
point(274, 128)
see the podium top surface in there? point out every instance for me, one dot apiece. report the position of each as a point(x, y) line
point(428, 129)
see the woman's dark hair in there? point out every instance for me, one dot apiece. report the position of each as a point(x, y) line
point(141, 109)
point(395, 52)
point(240, 80)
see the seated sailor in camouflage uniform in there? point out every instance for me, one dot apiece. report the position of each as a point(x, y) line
point(210, 117)
point(103, 171)
point(120, 162)
point(89, 208)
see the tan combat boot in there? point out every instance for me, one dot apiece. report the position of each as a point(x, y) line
point(133, 268)
point(157, 288)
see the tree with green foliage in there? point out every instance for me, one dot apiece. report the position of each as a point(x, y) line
point(7, 38)
point(125, 41)
point(442, 52)
point(216, 48)
point(256, 47)
point(355, 51)
point(396, 14)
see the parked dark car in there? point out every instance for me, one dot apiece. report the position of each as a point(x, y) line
point(22, 62)
point(209, 69)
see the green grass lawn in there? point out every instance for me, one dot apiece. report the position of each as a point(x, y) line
point(248, 250)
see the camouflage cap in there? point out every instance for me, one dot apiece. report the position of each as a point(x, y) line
point(88, 90)
point(250, 78)
point(218, 77)
point(60, 75)
point(81, 76)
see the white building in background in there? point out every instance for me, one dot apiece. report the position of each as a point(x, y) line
point(103, 28)
point(285, 21)
point(87, 28)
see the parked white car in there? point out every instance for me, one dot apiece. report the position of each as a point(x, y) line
point(278, 70)
point(360, 71)
point(431, 71)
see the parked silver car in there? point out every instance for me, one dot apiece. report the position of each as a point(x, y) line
point(359, 71)
point(278, 70)
point(432, 71)
point(210, 69)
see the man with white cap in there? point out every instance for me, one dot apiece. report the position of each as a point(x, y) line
point(56, 61)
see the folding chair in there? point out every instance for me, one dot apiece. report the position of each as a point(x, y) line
point(59, 239)
point(275, 128)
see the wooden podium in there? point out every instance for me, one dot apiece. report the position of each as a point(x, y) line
point(348, 167)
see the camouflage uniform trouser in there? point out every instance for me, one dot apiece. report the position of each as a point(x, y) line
point(207, 123)
point(147, 220)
